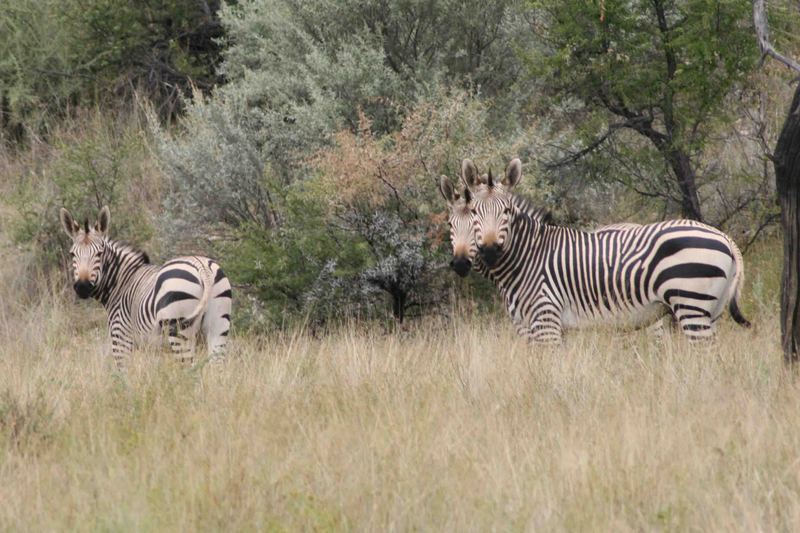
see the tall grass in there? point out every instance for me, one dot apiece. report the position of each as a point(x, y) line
point(455, 425)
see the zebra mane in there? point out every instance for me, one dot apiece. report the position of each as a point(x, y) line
point(130, 251)
point(540, 214)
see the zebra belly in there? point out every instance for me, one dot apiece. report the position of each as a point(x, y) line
point(627, 319)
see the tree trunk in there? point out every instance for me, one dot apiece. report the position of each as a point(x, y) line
point(787, 179)
point(399, 305)
point(680, 163)
point(682, 167)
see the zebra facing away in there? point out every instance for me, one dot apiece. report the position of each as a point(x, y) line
point(182, 297)
point(552, 277)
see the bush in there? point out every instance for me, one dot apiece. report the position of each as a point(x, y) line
point(365, 225)
point(59, 55)
point(97, 160)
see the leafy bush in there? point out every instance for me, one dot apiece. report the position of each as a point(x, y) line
point(362, 224)
point(296, 270)
point(311, 172)
point(58, 55)
point(95, 161)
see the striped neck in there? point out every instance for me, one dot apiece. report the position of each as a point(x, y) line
point(119, 261)
point(525, 231)
point(536, 216)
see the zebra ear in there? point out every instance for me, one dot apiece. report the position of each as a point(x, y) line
point(71, 227)
point(469, 174)
point(513, 173)
point(103, 220)
point(446, 188)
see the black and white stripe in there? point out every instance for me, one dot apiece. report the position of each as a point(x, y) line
point(180, 299)
point(552, 277)
point(462, 234)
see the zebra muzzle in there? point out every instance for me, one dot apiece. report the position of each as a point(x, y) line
point(461, 265)
point(83, 288)
point(490, 254)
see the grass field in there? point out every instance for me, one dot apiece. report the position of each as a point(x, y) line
point(454, 425)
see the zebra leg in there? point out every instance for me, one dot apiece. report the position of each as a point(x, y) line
point(181, 338)
point(546, 332)
point(520, 325)
point(120, 351)
point(217, 340)
point(217, 320)
point(121, 343)
point(546, 326)
point(694, 322)
point(530, 329)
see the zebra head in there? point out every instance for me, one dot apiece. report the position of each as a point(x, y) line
point(88, 243)
point(492, 209)
point(460, 227)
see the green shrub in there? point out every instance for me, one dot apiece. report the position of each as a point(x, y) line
point(98, 160)
point(60, 55)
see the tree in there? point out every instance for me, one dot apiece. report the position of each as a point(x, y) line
point(59, 55)
point(660, 68)
point(786, 159)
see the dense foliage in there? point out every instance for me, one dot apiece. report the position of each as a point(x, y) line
point(56, 55)
point(316, 159)
point(660, 68)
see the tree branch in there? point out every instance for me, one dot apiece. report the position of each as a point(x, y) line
point(571, 158)
point(762, 34)
point(765, 223)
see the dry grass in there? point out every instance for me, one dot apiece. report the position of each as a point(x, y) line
point(457, 425)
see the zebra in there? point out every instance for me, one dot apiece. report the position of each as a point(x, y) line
point(465, 252)
point(181, 297)
point(553, 278)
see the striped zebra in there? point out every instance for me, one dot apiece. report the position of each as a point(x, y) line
point(179, 298)
point(465, 251)
point(552, 278)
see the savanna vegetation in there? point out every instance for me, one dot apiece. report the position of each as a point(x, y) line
point(299, 143)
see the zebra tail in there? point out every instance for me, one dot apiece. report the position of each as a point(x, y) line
point(736, 287)
point(208, 283)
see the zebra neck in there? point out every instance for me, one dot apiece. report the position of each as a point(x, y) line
point(119, 263)
point(480, 267)
point(524, 236)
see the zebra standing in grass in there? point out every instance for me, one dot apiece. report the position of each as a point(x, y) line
point(465, 251)
point(553, 277)
point(181, 297)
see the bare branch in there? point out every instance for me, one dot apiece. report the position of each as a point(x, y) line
point(632, 123)
point(762, 34)
point(573, 157)
point(765, 223)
